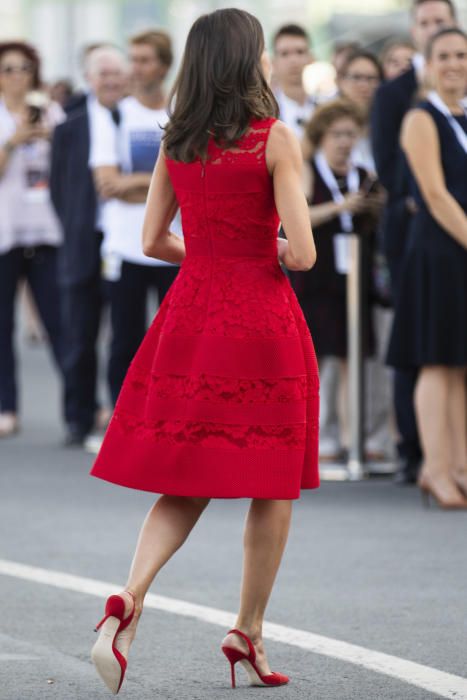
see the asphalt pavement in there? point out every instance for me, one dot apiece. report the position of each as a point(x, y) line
point(365, 564)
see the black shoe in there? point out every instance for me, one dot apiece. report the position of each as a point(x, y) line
point(407, 473)
point(75, 436)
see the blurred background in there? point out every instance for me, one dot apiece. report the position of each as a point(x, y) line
point(59, 28)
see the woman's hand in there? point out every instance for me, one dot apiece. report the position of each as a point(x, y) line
point(375, 202)
point(25, 133)
point(411, 205)
point(354, 202)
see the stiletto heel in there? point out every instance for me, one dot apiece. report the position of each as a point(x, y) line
point(442, 490)
point(233, 655)
point(460, 479)
point(109, 661)
point(248, 661)
point(232, 674)
point(425, 495)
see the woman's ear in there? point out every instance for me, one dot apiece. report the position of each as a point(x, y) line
point(266, 66)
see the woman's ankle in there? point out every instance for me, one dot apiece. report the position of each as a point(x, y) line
point(254, 631)
point(133, 599)
point(435, 469)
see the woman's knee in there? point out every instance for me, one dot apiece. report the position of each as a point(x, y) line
point(271, 507)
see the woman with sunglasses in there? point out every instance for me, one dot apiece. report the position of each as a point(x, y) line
point(29, 231)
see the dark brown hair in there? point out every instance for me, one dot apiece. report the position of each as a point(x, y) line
point(368, 56)
point(392, 44)
point(160, 42)
point(416, 4)
point(447, 31)
point(326, 114)
point(291, 30)
point(220, 85)
point(30, 54)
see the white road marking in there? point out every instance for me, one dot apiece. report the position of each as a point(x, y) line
point(445, 685)
point(18, 657)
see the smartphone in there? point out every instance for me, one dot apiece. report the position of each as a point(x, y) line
point(35, 114)
point(369, 186)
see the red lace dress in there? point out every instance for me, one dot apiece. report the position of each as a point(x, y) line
point(221, 398)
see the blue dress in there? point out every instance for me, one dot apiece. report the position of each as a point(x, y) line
point(430, 322)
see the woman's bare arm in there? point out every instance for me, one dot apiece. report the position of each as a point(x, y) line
point(284, 162)
point(129, 187)
point(420, 142)
point(161, 207)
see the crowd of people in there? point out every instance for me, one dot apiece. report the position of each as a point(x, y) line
point(384, 157)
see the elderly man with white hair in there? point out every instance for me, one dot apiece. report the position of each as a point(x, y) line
point(75, 201)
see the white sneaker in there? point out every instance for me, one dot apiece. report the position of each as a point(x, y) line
point(9, 424)
point(93, 443)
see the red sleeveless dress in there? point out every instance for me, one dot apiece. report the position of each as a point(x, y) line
point(221, 399)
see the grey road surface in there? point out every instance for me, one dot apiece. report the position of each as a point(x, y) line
point(365, 564)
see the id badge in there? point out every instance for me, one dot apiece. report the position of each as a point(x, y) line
point(112, 267)
point(36, 175)
point(342, 253)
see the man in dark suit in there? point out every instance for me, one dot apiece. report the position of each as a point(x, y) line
point(74, 198)
point(393, 100)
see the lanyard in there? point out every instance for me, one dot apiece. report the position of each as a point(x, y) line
point(353, 185)
point(437, 102)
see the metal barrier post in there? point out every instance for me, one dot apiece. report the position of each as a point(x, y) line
point(356, 461)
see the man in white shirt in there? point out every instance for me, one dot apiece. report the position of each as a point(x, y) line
point(291, 54)
point(123, 158)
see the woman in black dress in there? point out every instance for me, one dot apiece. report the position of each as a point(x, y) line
point(339, 203)
point(430, 326)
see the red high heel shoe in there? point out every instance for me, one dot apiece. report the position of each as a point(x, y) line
point(248, 661)
point(108, 660)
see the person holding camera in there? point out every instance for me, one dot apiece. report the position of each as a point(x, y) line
point(29, 230)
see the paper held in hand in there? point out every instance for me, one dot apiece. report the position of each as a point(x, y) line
point(342, 253)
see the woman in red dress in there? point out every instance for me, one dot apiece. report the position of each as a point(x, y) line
point(221, 399)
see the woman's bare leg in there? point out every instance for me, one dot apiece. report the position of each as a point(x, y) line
point(458, 421)
point(432, 402)
point(266, 531)
point(165, 529)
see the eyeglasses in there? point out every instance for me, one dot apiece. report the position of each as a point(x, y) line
point(10, 69)
point(362, 78)
point(343, 134)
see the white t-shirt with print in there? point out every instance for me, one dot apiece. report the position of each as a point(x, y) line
point(133, 146)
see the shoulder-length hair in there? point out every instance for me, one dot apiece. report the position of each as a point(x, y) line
point(326, 114)
point(367, 56)
point(29, 53)
point(220, 86)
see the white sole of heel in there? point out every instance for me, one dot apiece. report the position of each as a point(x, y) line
point(252, 675)
point(103, 657)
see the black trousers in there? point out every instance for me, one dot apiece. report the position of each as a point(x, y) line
point(128, 311)
point(37, 265)
point(405, 380)
point(81, 312)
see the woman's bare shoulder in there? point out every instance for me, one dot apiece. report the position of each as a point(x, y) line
point(282, 145)
point(282, 135)
point(418, 119)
